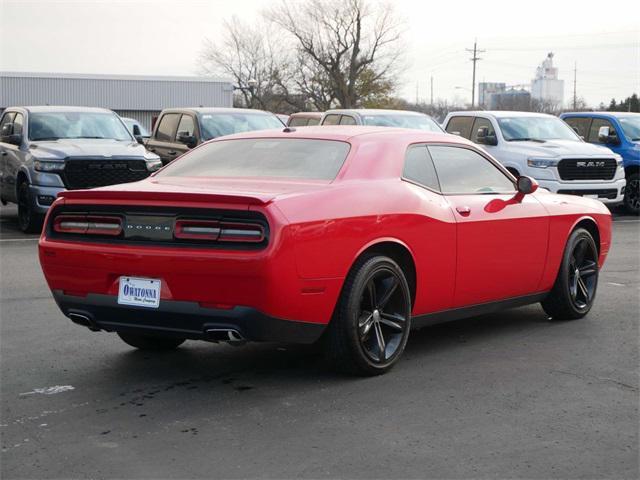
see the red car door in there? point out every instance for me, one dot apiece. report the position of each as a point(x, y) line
point(501, 243)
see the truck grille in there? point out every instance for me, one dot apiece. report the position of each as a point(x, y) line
point(100, 173)
point(587, 169)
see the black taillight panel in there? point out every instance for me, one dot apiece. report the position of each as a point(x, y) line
point(160, 226)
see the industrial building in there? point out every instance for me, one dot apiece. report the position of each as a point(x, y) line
point(546, 86)
point(138, 97)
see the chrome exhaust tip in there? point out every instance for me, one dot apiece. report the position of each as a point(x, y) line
point(229, 335)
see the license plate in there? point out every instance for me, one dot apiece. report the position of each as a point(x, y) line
point(142, 292)
point(595, 197)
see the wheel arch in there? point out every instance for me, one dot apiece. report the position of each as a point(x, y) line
point(591, 226)
point(631, 170)
point(399, 252)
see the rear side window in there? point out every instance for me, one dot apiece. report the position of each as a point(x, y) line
point(461, 125)
point(580, 125)
point(313, 121)
point(418, 167)
point(288, 158)
point(298, 122)
point(331, 120)
point(461, 170)
point(167, 128)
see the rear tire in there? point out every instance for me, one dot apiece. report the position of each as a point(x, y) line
point(371, 324)
point(575, 288)
point(150, 342)
point(28, 220)
point(632, 194)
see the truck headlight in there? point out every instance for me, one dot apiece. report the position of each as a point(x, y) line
point(44, 166)
point(542, 162)
point(153, 164)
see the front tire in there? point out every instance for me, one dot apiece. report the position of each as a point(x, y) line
point(150, 342)
point(632, 194)
point(372, 320)
point(574, 291)
point(28, 220)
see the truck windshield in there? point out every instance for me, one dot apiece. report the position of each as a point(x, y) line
point(539, 129)
point(215, 125)
point(631, 127)
point(419, 122)
point(288, 158)
point(58, 125)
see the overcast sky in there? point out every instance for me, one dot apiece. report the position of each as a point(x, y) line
point(165, 38)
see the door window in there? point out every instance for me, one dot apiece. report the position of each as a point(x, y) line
point(481, 123)
point(167, 128)
point(18, 122)
point(186, 125)
point(580, 125)
point(418, 167)
point(595, 127)
point(347, 120)
point(462, 125)
point(331, 119)
point(461, 170)
point(298, 122)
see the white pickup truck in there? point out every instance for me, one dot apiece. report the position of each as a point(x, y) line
point(545, 148)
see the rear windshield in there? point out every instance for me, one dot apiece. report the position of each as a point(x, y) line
point(289, 158)
point(215, 125)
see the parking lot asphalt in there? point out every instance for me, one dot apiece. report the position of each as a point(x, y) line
point(508, 395)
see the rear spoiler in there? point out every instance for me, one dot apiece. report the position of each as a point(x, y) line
point(174, 197)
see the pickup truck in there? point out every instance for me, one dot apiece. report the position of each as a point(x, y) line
point(180, 129)
point(381, 118)
point(620, 131)
point(45, 150)
point(545, 148)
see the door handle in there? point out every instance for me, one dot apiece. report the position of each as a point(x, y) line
point(463, 210)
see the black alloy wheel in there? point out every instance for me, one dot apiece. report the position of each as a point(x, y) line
point(632, 194)
point(371, 324)
point(575, 288)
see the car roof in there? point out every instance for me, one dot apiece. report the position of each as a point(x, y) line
point(600, 114)
point(212, 110)
point(354, 133)
point(65, 108)
point(497, 114)
point(306, 114)
point(373, 111)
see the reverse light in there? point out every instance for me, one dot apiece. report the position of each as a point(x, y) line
point(241, 232)
point(197, 230)
point(88, 224)
point(543, 162)
point(219, 231)
point(44, 166)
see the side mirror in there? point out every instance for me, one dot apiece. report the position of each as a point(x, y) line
point(606, 136)
point(136, 130)
point(7, 137)
point(189, 140)
point(483, 137)
point(139, 138)
point(525, 186)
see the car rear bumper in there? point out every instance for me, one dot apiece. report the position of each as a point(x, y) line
point(183, 319)
point(611, 193)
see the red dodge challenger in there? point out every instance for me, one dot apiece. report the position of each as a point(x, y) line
point(346, 235)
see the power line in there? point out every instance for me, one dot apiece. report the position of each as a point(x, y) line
point(575, 73)
point(474, 59)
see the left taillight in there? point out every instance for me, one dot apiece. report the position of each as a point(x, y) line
point(88, 224)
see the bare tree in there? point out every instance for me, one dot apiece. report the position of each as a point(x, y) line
point(345, 48)
point(259, 69)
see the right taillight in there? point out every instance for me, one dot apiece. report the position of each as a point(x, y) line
point(244, 232)
point(88, 224)
point(241, 232)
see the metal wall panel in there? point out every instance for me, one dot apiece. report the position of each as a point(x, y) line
point(114, 92)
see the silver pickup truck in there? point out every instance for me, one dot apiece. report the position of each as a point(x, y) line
point(44, 150)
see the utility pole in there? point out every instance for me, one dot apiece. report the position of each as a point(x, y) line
point(575, 97)
point(474, 59)
point(432, 90)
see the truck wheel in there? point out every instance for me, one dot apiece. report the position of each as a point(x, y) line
point(28, 220)
point(574, 291)
point(150, 342)
point(372, 320)
point(632, 194)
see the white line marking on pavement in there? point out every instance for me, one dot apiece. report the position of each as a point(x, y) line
point(50, 390)
point(616, 284)
point(19, 239)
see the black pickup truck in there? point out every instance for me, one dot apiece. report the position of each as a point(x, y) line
point(180, 129)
